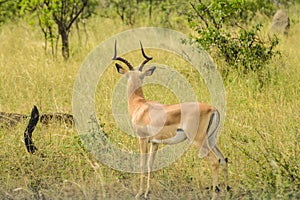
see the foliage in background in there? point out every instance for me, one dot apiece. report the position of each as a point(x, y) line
point(56, 18)
point(8, 10)
point(221, 27)
point(125, 9)
point(172, 9)
point(148, 10)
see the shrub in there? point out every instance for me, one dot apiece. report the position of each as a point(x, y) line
point(218, 27)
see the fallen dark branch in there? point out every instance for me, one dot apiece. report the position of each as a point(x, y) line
point(8, 120)
point(62, 118)
point(30, 128)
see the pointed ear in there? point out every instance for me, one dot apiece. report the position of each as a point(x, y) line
point(120, 69)
point(149, 71)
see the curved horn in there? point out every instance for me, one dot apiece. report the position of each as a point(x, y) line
point(147, 59)
point(121, 59)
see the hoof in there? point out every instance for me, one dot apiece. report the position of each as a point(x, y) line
point(146, 195)
point(139, 195)
point(217, 189)
point(228, 188)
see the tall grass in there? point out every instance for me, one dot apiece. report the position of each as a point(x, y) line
point(261, 136)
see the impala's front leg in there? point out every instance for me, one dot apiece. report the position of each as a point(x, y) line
point(143, 163)
point(153, 150)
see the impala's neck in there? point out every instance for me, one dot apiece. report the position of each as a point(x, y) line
point(135, 95)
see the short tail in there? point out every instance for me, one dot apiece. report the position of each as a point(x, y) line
point(212, 129)
point(211, 134)
point(179, 137)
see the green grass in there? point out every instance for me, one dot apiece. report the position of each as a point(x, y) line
point(261, 136)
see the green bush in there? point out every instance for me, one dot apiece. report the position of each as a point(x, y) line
point(8, 10)
point(219, 30)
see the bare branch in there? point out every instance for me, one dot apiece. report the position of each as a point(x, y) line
point(85, 2)
point(198, 14)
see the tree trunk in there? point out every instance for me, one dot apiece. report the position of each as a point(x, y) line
point(65, 45)
point(150, 9)
point(65, 40)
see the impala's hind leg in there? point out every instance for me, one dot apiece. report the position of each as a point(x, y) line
point(224, 164)
point(215, 164)
point(153, 150)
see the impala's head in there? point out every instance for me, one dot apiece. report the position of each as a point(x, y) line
point(135, 75)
